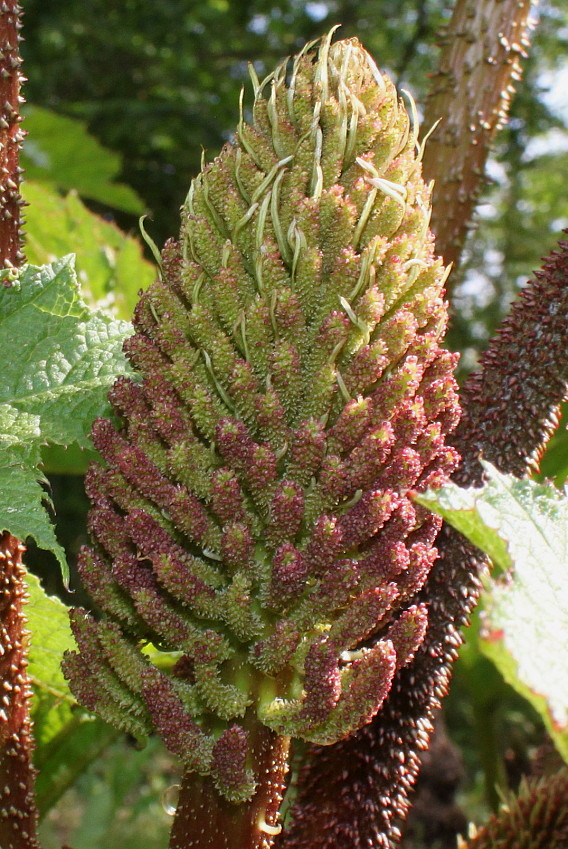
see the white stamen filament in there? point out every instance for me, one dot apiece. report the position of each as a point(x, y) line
point(392, 190)
point(409, 263)
point(376, 73)
point(414, 113)
point(342, 387)
point(422, 145)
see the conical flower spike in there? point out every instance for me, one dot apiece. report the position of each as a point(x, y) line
point(253, 521)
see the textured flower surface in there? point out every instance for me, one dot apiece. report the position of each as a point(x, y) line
point(255, 549)
point(537, 818)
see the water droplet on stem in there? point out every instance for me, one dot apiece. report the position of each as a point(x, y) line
point(169, 799)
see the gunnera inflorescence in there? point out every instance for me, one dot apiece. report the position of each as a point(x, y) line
point(537, 818)
point(253, 524)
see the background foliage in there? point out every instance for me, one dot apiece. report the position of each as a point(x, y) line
point(123, 99)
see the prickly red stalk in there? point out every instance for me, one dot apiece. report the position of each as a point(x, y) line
point(470, 94)
point(11, 135)
point(18, 813)
point(225, 825)
point(253, 520)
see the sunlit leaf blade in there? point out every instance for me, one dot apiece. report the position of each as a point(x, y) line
point(22, 497)
point(469, 512)
point(59, 151)
point(523, 526)
point(60, 359)
point(110, 264)
point(67, 738)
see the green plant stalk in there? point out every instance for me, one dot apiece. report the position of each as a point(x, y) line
point(483, 688)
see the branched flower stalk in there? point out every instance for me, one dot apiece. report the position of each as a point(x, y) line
point(256, 555)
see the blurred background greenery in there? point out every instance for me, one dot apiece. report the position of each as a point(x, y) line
point(124, 98)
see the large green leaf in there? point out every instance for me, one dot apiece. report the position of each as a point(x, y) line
point(67, 738)
point(523, 526)
point(110, 264)
point(59, 360)
point(22, 497)
point(60, 152)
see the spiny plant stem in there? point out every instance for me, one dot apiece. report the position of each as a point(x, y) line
point(471, 92)
point(18, 813)
point(512, 403)
point(17, 802)
point(11, 136)
point(206, 820)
